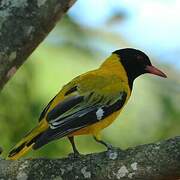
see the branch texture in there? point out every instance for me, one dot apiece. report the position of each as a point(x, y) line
point(158, 161)
point(23, 25)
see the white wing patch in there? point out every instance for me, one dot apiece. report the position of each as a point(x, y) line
point(99, 113)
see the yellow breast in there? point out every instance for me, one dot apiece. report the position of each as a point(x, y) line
point(97, 127)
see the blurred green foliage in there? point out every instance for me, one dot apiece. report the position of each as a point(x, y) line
point(152, 113)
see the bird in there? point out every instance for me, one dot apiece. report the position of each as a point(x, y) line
point(88, 103)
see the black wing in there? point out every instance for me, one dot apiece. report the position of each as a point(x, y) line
point(74, 114)
point(43, 113)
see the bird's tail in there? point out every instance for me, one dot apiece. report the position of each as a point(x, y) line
point(27, 142)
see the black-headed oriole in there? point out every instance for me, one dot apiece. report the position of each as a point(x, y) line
point(88, 103)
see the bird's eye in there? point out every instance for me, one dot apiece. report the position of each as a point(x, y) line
point(139, 58)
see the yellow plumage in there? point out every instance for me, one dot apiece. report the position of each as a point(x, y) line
point(86, 105)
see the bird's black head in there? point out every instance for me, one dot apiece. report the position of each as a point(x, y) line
point(136, 63)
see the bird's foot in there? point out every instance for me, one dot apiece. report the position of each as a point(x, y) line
point(109, 147)
point(1, 150)
point(113, 152)
point(75, 155)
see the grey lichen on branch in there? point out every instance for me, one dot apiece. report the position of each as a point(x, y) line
point(23, 25)
point(157, 161)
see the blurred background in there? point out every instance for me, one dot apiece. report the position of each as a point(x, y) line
point(80, 42)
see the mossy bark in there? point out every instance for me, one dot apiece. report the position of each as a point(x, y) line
point(23, 25)
point(158, 161)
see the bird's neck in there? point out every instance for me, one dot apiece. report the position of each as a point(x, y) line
point(113, 65)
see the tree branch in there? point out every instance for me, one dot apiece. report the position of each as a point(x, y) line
point(23, 25)
point(158, 161)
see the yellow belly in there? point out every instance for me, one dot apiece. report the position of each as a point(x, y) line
point(97, 127)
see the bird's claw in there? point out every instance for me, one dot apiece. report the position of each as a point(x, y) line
point(109, 147)
point(1, 150)
point(75, 155)
point(113, 152)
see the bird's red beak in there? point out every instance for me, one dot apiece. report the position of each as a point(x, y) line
point(154, 70)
